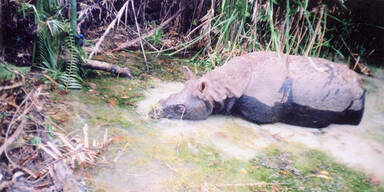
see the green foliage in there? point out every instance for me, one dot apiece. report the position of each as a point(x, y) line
point(157, 37)
point(50, 130)
point(4, 114)
point(9, 72)
point(47, 55)
point(36, 140)
point(55, 37)
point(292, 27)
point(70, 78)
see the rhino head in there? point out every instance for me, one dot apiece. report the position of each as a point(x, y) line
point(187, 104)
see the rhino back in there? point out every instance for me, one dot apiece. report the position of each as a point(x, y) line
point(333, 89)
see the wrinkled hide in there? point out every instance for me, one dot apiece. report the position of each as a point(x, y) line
point(267, 87)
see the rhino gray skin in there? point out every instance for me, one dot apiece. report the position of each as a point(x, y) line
point(269, 87)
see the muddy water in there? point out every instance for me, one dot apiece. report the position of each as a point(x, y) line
point(172, 155)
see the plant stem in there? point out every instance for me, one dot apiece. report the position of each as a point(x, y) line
point(1, 31)
point(73, 17)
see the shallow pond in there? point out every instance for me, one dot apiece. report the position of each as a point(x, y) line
point(224, 153)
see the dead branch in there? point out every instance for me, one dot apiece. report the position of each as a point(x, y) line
point(9, 140)
point(136, 40)
point(139, 33)
point(110, 26)
point(103, 66)
point(16, 134)
point(12, 138)
point(15, 85)
point(357, 65)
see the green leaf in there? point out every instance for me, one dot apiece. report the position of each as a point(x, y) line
point(50, 130)
point(36, 140)
point(71, 78)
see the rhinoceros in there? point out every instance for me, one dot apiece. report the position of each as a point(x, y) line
point(269, 87)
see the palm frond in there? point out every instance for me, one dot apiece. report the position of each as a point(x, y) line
point(71, 78)
point(47, 55)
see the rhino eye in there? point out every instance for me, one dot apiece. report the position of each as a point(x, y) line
point(180, 108)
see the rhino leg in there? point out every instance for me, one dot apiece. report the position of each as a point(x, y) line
point(308, 117)
point(258, 112)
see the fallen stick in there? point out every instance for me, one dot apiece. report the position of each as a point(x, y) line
point(103, 66)
point(138, 39)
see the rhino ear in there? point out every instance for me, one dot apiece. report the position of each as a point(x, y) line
point(188, 73)
point(203, 86)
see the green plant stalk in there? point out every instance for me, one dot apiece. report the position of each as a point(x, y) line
point(39, 8)
point(287, 27)
point(73, 17)
point(1, 18)
point(274, 35)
